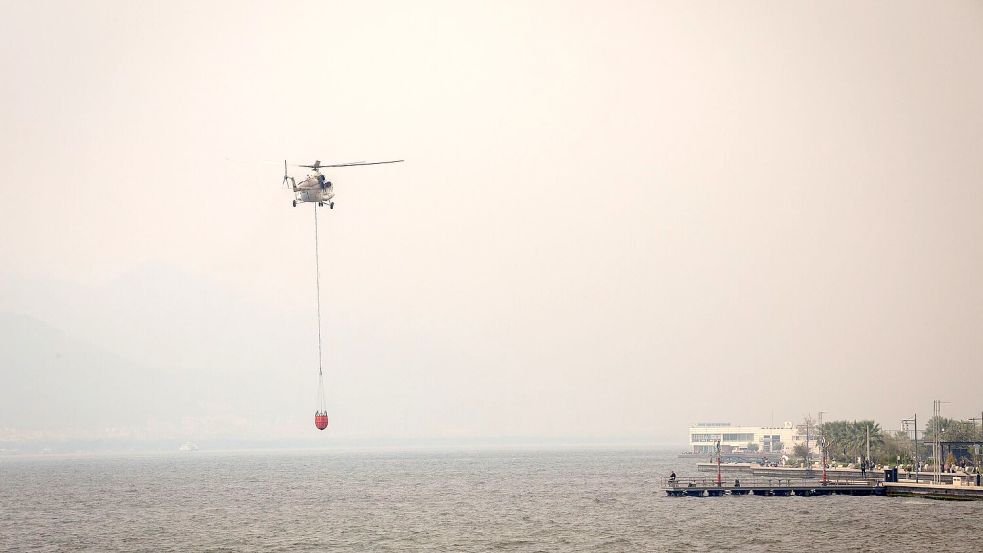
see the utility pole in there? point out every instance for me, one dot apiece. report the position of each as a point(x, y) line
point(980, 419)
point(867, 460)
point(916, 448)
point(822, 444)
point(937, 440)
point(936, 477)
point(808, 428)
point(977, 447)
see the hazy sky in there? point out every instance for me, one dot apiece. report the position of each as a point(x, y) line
point(615, 219)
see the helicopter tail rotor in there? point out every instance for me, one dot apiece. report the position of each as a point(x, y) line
point(287, 177)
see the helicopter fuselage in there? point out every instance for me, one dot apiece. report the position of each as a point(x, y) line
point(315, 188)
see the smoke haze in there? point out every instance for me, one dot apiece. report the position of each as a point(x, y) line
point(614, 219)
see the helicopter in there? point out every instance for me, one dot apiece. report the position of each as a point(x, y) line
point(315, 188)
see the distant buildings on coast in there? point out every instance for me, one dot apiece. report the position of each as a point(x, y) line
point(749, 439)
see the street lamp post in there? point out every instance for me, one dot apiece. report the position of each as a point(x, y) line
point(914, 421)
point(718, 464)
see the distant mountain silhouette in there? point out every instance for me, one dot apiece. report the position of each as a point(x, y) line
point(53, 382)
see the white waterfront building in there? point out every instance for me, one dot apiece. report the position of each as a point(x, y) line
point(738, 439)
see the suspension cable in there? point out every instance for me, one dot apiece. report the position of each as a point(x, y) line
point(317, 285)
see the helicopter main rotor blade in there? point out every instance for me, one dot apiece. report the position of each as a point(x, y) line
point(352, 164)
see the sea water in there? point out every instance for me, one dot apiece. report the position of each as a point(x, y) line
point(437, 500)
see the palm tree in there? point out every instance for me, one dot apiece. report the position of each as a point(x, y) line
point(876, 436)
point(848, 440)
point(838, 438)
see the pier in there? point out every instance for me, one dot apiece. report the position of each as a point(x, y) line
point(934, 490)
point(784, 487)
point(775, 487)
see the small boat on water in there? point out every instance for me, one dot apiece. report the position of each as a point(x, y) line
point(188, 446)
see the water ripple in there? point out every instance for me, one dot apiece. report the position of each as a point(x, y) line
point(523, 501)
